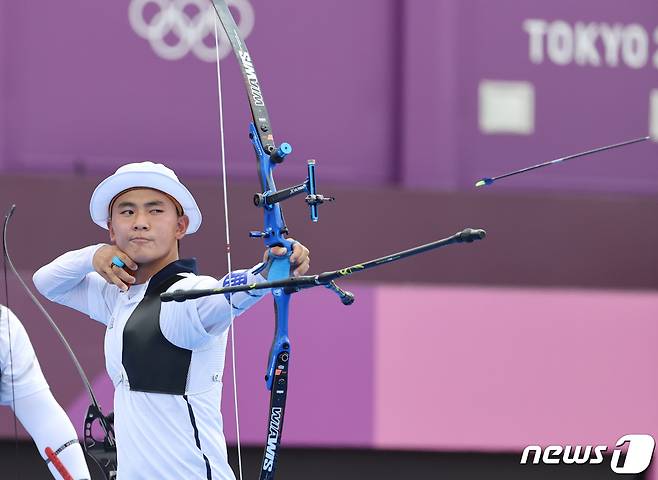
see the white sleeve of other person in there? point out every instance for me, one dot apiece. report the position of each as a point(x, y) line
point(24, 388)
point(49, 426)
point(20, 374)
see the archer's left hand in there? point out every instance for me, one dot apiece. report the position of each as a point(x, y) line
point(300, 261)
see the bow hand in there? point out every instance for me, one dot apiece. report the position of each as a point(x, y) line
point(299, 259)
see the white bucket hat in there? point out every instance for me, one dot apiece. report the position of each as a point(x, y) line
point(147, 175)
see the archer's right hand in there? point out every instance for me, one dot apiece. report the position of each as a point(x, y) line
point(118, 276)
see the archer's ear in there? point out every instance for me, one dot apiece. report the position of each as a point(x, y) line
point(181, 226)
point(110, 230)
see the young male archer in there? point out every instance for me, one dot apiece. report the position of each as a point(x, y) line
point(165, 359)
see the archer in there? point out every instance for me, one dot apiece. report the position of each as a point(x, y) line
point(165, 360)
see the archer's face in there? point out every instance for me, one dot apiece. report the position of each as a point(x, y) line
point(145, 225)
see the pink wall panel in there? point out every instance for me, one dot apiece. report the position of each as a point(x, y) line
point(499, 369)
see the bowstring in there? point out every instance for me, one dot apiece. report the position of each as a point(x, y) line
point(228, 245)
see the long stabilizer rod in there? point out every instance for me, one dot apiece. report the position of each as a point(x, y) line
point(326, 279)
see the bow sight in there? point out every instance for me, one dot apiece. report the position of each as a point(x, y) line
point(268, 198)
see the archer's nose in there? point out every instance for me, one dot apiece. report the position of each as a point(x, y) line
point(140, 223)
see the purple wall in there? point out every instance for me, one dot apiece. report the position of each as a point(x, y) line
point(453, 46)
point(4, 111)
point(380, 92)
point(98, 96)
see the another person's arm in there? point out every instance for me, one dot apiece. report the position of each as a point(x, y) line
point(25, 390)
point(49, 426)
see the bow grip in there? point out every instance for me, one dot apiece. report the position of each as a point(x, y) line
point(277, 366)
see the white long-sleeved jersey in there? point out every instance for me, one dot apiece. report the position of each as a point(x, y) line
point(165, 360)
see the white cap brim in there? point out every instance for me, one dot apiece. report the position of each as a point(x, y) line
point(117, 183)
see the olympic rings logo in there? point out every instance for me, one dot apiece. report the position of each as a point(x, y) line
point(175, 28)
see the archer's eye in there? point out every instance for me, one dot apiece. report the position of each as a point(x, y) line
point(126, 212)
point(157, 210)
